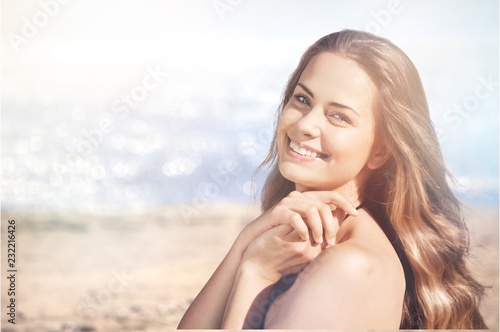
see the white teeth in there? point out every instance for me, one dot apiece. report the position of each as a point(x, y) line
point(301, 150)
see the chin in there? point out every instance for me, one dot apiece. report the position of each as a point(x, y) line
point(301, 183)
point(305, 181)
point(288, 174)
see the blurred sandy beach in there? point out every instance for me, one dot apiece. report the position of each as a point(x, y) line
point(139, 271)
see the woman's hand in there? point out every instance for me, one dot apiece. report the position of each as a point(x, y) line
point(319, 212)
point(276, 243)
point(277, 252)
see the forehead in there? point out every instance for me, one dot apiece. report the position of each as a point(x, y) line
point(333, 77)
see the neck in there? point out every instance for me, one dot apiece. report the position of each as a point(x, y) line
point(352, 190)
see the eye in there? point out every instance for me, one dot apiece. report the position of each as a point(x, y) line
point(302, 99)
point(340, 119)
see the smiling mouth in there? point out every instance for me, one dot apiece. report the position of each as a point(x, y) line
point(303, 151)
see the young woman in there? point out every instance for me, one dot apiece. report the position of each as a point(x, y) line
point(359, 227)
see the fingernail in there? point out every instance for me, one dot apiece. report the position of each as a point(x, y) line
point(331, 241)
point(319, 240)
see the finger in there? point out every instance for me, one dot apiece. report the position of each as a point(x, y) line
point(329, 224)
point(307, 208)
point(335, 198)
point(318, 215)
point(315, 223)
point(299, 225)
point(293, 236)
point(282, 230)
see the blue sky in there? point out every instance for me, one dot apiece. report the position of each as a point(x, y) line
point(221, 66)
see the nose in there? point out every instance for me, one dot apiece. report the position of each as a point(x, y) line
point(309, 126)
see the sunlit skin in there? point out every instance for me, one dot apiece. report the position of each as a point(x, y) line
point(330, 112)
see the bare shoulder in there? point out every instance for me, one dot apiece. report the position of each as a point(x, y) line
point(356, 284)
point(364, 251)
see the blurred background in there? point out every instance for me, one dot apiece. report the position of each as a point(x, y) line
point(117, 113)
point(220, 67)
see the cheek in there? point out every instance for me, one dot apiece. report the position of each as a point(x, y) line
point(286, 121)
point(288, 117)
point(354, 148)
point(281, 131)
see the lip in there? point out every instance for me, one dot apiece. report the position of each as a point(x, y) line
point(297, 156)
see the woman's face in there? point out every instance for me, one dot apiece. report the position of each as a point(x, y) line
point(326, 131)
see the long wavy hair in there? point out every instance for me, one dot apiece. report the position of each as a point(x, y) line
point(409, 195)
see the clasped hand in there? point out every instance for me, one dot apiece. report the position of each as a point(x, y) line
point(287, 237)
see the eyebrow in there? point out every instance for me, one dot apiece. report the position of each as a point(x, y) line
point(334, 104)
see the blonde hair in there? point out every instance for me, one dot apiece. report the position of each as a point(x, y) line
point(409, 195)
